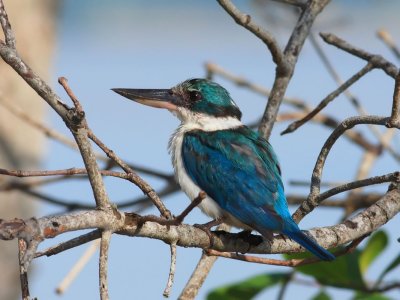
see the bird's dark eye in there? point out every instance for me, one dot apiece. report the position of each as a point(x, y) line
point(195, 96)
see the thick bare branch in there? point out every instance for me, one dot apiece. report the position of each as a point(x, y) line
point(361, 224)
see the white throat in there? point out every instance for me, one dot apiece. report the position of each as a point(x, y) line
point(194, 120)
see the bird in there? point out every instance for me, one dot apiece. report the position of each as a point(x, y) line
point(214, 152)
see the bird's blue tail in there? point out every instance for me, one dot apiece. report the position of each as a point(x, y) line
point(308, 243)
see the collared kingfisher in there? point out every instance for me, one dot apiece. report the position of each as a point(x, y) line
point(212, 151)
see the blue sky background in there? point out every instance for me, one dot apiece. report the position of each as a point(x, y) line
point(156, 44)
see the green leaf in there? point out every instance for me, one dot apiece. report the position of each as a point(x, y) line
point(248, 288)
point(376, 244)
point(395, 263)
point(343, 272)
point(366, 296)
point(322, 295)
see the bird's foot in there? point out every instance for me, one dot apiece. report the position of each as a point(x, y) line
point(252, 240)
point(282, 236)
point(207, 229)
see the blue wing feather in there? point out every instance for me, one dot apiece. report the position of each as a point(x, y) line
point(240, 171)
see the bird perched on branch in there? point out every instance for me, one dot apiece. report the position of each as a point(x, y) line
point(213, 151)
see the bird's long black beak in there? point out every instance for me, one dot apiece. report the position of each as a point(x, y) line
point(161, 98)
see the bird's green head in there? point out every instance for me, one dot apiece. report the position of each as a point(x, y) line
point(193, 97)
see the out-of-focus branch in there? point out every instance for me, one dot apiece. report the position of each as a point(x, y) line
point(74, 118)
point(77, 267)
point(51, 133)
point(387, 38)
point(200, 273)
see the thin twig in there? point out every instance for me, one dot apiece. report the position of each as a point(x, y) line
point(311, 202)
point(378, 61)
point(298, 3)
point(285, 70)
point(353, 99)
point(80, 240)
point(395, 116)
point(23, 275)
point(79, 128)
point(64, 83)
point(77, 268)
point(103, 263)
point(245, 20)
point(285, 285)
point(391, 177)
point(133, 177)
point(294, 262)
point(326, 120)
point(295, 125)
point(6, 26)
point(171, 273)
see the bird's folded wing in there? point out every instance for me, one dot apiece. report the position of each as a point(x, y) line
point(240, 172)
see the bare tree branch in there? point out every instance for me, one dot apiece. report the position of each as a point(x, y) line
point(198, 277)
point(189, 236)
point(246, 21)
point(103, 263)
point(284, 263)
point(171, 274)
point(295, 125)
point(285, 70)
point(6, 26)
point(311, 202)
point(23, 272)
point(378, 61)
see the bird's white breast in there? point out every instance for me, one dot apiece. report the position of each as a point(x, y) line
point(205, 123)
point(208, 205)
